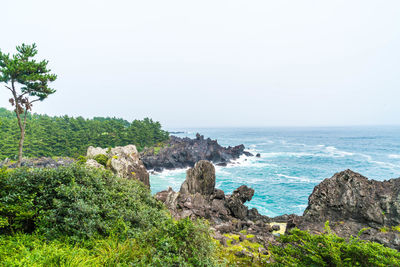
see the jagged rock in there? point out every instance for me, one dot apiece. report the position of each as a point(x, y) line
point(351, 202)
point(198, 198)
point(243, 193)
point(258, 155)
point(124, 161)
point(200, 179)
point(185, 152)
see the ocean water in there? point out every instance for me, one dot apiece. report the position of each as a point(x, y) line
point(294, 160)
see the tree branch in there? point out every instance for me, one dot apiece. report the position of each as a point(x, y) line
point(8, 88)
point(34, 101)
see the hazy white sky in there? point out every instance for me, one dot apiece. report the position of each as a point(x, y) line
point(216, 63)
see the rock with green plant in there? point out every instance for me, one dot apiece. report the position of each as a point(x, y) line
point(123, 161)
point(198, 198)
point(351, 202)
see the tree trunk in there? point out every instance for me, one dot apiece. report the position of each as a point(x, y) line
point(21, 144)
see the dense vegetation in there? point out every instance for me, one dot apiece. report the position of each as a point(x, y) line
point(68, 136)
point(79, 216)
point(75, 216)
point(300, 248)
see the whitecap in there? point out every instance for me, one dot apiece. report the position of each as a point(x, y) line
point(394, 156)
point(333, 151)
point(295, 178)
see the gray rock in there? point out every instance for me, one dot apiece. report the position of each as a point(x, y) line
point(199, 179)
point(185, 152)
point(93, 164)
point(351, 202)
point(124, 161)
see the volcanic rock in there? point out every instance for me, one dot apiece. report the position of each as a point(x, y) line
point(198, 198)
point(185, 152)
point(351, 202)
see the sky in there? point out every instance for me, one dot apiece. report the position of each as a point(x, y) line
point(215, 63)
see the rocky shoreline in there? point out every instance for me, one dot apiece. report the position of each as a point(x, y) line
point(351, 203)
point(185, 152)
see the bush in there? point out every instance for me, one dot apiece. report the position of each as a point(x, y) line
point(81, 160)
point(300, 248)
point(101, 159)
point(76, 201)
point(181, 243)
point(78, 216)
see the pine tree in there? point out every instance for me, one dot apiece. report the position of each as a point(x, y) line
point(27, 80)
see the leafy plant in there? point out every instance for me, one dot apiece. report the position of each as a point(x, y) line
point(101, 159)
point(301, 248)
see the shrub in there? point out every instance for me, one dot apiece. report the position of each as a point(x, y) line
point(101, 159)
point(76, 201)
point(181, 243)
point(81, 160)
point(78, 216)
point(300, 248)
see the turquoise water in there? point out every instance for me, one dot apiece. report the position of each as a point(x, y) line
point(294, 160)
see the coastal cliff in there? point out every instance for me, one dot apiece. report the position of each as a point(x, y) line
point(351, 203)
point(185, 152)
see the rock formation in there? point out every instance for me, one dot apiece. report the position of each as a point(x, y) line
point(124, 161)
point(43, 162)
point(351, 202)
point(185, 152)
point(198, 198)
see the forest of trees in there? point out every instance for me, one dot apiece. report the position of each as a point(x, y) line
point(67, 136)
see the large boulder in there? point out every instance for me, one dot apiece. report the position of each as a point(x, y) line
point(199, 179)
point(351, 196)
point(351, 202)
point(124, 161)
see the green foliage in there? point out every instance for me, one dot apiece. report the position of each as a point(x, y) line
point(76, 201)
point(300, 248)
point(25, 78)
point(157, 150)
point(384, 229)
point(70, 137)
point(181, 243)
point(32, 75)
point(101, 159)
point(35, 250)
point(241, 253)
point(78, 216)
point(81, 160)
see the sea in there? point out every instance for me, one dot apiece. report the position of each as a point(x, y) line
point(293, 161)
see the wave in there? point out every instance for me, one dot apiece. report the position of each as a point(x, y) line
point(394, 156)
point(338, 153)
point(295, 178)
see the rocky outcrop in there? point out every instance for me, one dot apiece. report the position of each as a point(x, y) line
point(351, 202)
point(200, 179)
point(124, 161)
point(198, 198)
point(185, 152)
point(43, 162)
